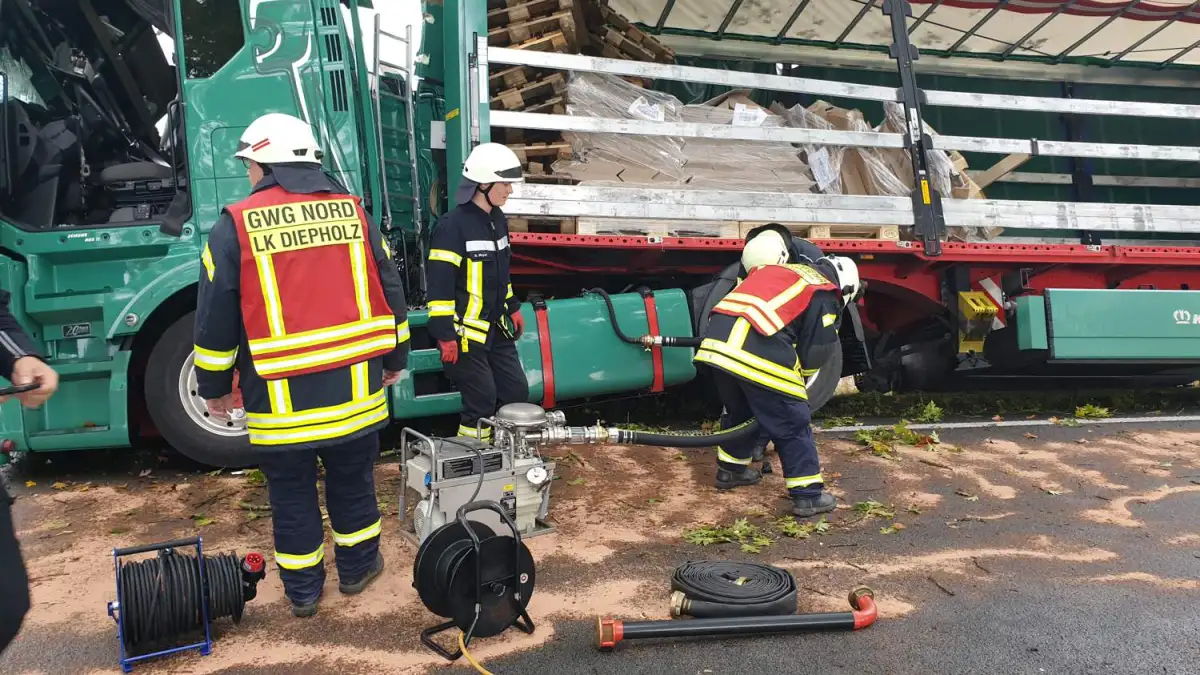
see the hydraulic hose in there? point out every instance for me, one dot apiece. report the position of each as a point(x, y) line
point(744, 430)
point(712, 589)
point(646, 340)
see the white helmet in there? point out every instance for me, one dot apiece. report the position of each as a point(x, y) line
point(276, 138)
point(766, 248)
point(493, 163)
point(847, 272)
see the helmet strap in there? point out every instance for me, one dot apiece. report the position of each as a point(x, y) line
point(486, 192)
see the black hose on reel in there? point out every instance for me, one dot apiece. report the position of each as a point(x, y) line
point(162, 597)
point(718, 589)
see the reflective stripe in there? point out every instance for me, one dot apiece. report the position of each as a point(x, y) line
point(464, 430)
point(765, 319)
point(717, 359)
point(737, 342)
point(310, 338)
point(209, 266)
point(280, 393)
point(358, 268)
point(298, 562)
point(208, 359)
point(387, 250)
point(313, 416)
point(474, 293)
point(828, 320)
point(502, 242)
point(479, 245)
point(469, 333)
point(441, 308)
point(402, 333)
point(323, 431)
point(809, 372)
point(510, 293)
point(270, 291)
point(445, 256)
point(804, 481)
point(730, 459)
point(360, 381)
point(359, 537)
point(325, 356)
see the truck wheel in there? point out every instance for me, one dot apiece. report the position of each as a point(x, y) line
point(822, 385)
point(178, 411)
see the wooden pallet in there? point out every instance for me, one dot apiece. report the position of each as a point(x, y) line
point(541, 225)
point(616, 45)
point(544, 152)
point(501, 14)
point(517, 34)
point(630, 227)
point(533, 176)
point(636, 35)
point(511, 78)
point(536, 93)
point(551, 42)
point(830, 231)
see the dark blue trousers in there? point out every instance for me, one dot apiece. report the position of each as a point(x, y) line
point(786, 420)
point(295, 508)
point(14, 582)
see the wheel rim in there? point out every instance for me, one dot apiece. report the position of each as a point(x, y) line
point(197, 409)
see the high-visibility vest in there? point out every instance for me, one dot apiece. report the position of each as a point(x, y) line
point(310, 292)
point(772, 296)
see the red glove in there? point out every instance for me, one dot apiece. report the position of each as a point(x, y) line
point(449, 349)
point(518, 323)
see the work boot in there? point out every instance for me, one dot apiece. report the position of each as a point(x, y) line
point(356, 586)
point(727, 480)
point(305, 610)
point(807, 507)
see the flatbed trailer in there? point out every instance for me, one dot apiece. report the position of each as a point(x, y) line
point(115, 164)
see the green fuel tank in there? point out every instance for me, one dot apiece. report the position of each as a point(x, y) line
point(587, 356)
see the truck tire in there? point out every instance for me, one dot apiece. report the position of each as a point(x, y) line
point(822, 386)
point(180, 414)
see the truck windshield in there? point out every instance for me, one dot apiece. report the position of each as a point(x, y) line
point(20, 78)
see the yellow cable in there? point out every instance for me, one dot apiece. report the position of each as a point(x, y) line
point(462, 645)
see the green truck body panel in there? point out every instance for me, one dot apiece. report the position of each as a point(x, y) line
point(1111, 325)
point(589, 359)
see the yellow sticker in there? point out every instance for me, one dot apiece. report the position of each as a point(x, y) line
point(510, 487)
point(452, 114)
point(294, 227)
point(925, 191)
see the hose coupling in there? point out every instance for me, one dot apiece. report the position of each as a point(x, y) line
point(649, 341)
point(679, 604)
point(578, 435)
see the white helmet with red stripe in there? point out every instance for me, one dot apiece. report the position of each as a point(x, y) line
point(276, 138)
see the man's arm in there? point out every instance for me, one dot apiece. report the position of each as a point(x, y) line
point(393, 290)
point(14, 343)
point(218, 311)
point(446, 250)
point(818, 332)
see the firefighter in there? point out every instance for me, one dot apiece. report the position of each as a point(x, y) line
point(473, 314)
point(757, 341)
point(299, 294)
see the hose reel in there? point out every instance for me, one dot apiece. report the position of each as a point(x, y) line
point(478, 579)
point(162, 600)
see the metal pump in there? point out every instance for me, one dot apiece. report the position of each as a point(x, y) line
point(447, 473)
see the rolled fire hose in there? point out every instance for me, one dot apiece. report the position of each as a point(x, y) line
point(646, 340)
point(711, 589)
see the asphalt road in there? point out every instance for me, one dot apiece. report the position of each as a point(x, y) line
point(1081, 555)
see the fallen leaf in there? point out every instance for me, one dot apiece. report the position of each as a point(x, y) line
point(1082, 441)
point(576, 481)
point(1051, 492)
point(144, 473)
point(653, 501)
point(1031, 417)
point(1029, 435)
point(201, 520)
point(1053, 420)
point(898, 526)
point(59, 486)
point(30, 483)
point(997, 418)
point(967, 495)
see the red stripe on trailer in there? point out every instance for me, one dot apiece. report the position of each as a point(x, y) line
point(656, 355)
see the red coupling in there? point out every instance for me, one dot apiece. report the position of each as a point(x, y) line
point(862, 600)
point(254, 563)
point(608, 633)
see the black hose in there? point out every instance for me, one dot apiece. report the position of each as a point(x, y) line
point(744, 430)
point(161, 597)
point(715, 589)
point(666, 340)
